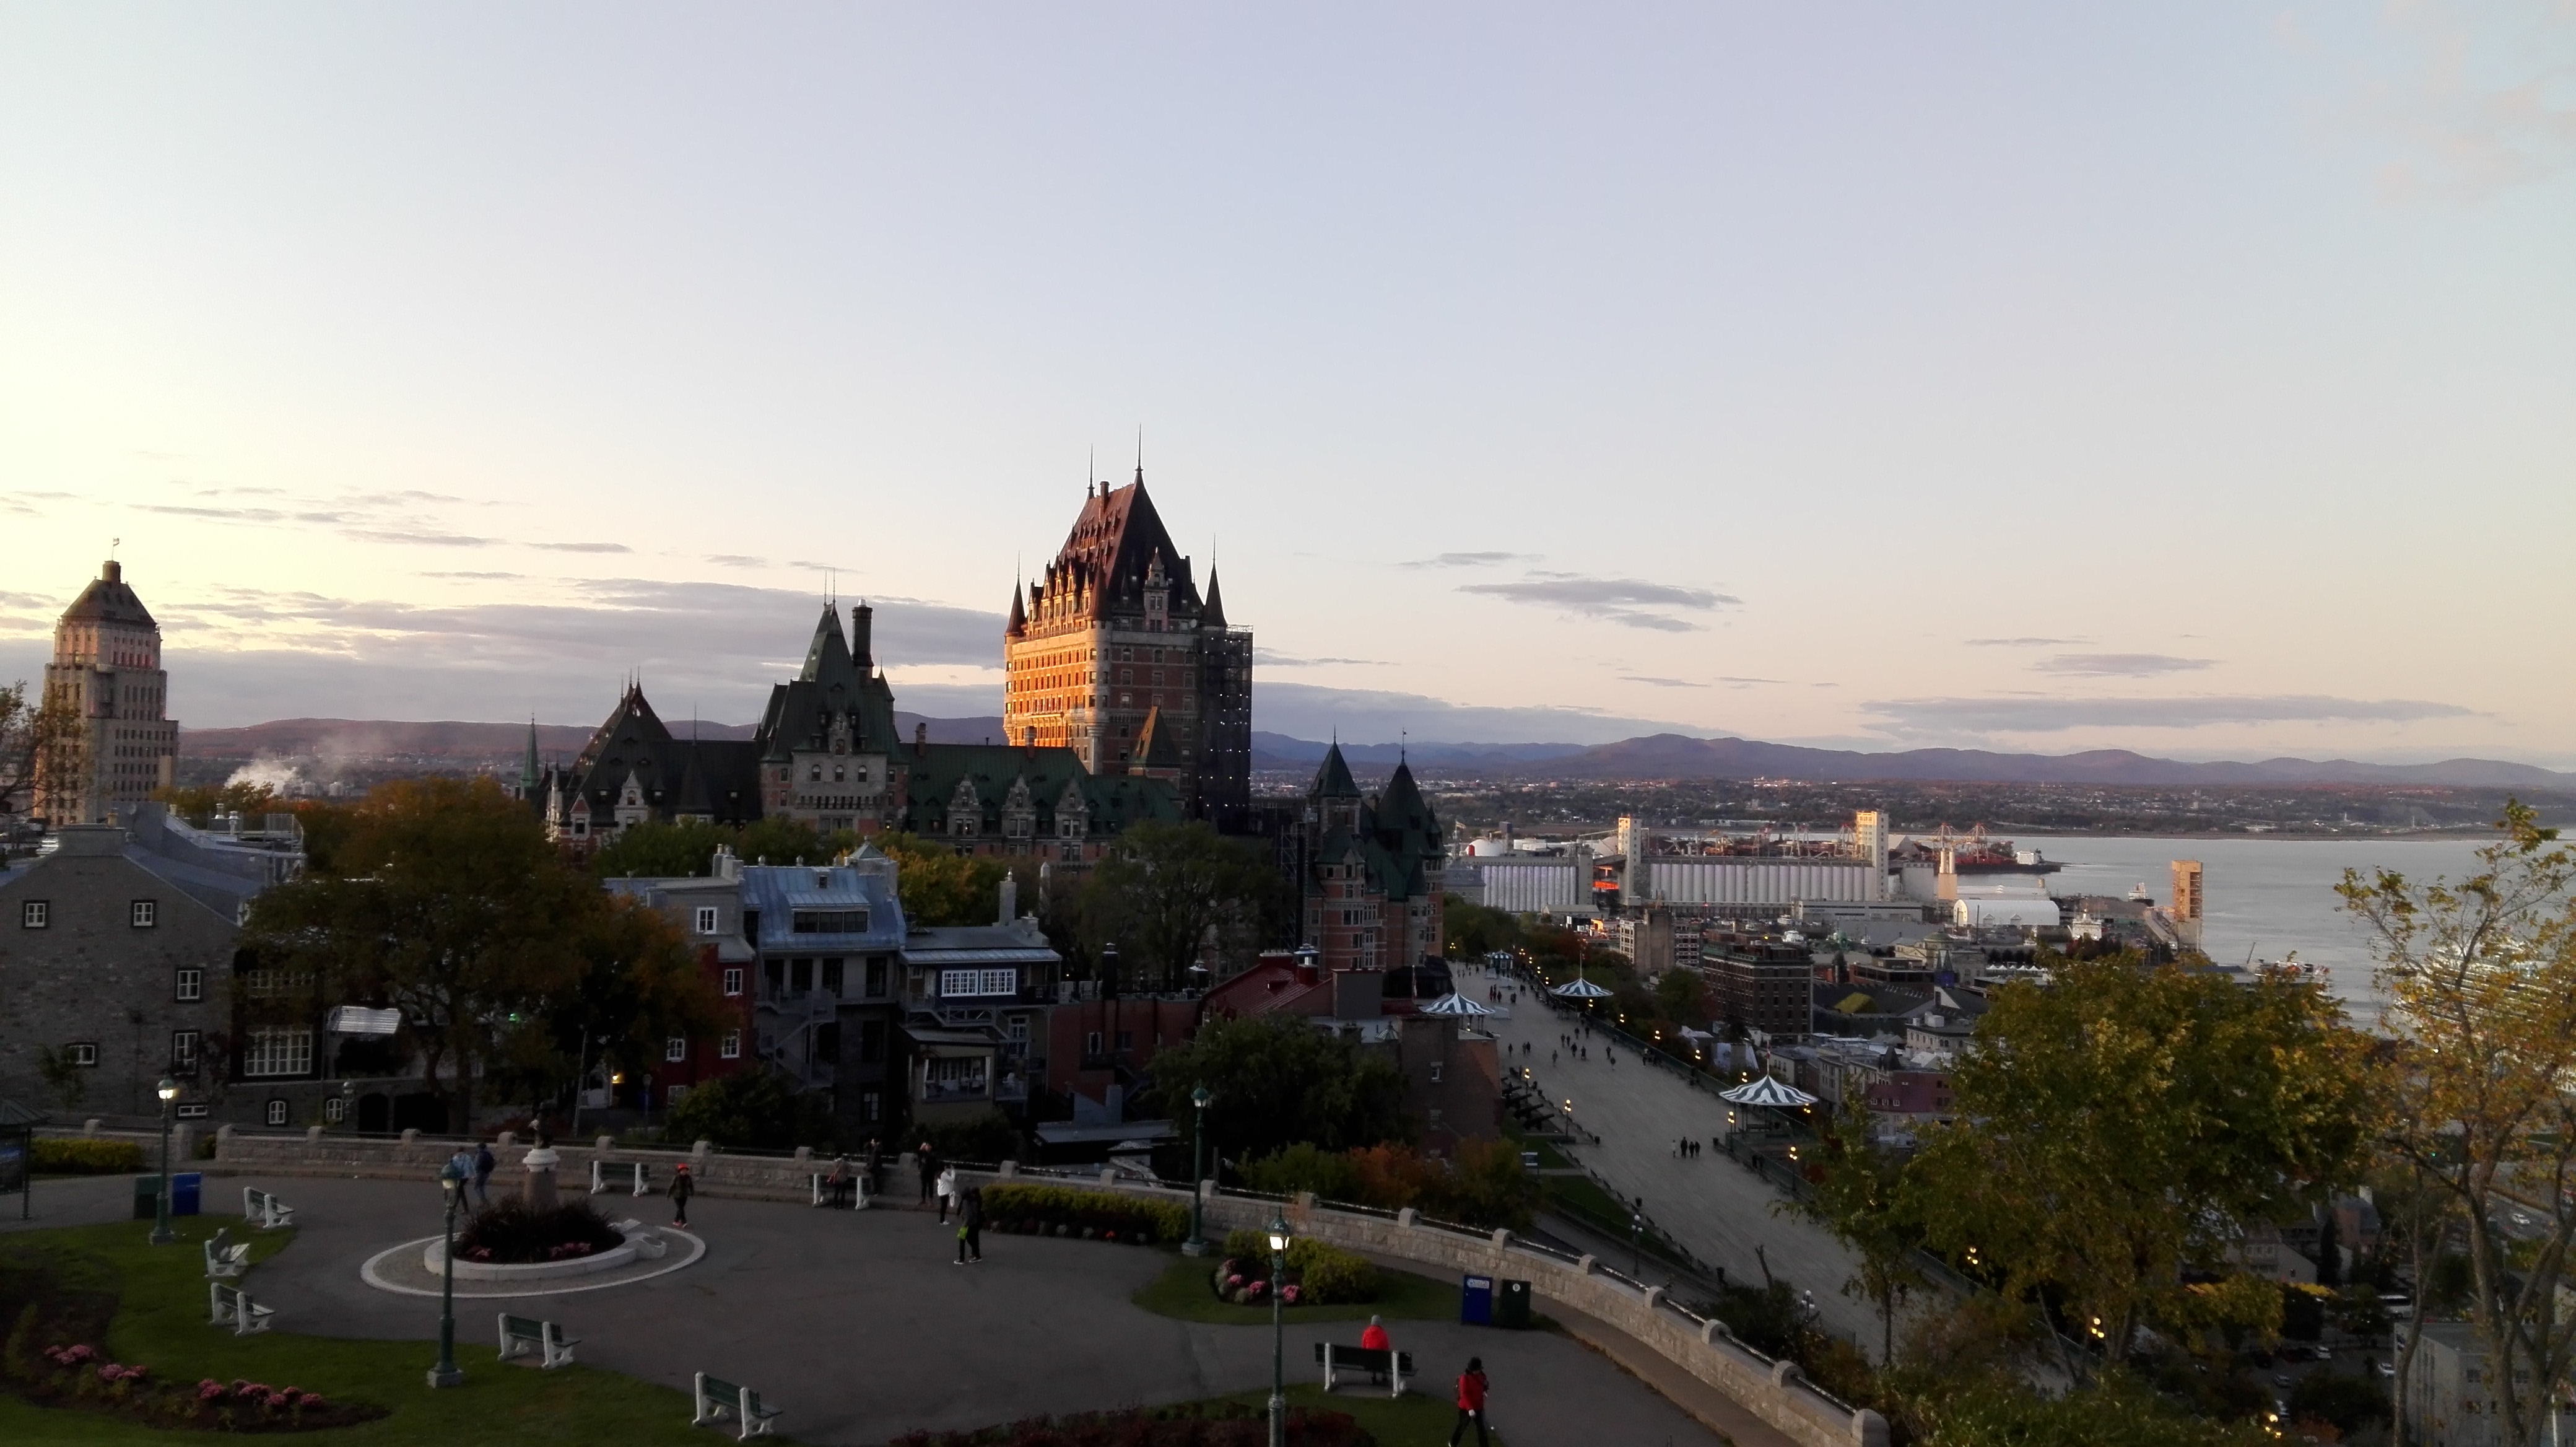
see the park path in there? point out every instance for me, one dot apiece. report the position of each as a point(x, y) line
point(1714, 1207)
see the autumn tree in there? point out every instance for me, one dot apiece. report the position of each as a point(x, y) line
point(2120, 1125)
point(2480, 979)
point(939, 885)
point(37, 737)
point(1169, 892)
point(1868, 1201)
point(1277, 1080)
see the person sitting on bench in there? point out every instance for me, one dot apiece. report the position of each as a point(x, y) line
point(1374, 1338)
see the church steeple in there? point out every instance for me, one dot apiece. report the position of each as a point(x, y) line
point(1213, 615)
point(528, 765)
point(1019, 614)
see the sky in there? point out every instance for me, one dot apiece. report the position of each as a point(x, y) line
point(2194, 378)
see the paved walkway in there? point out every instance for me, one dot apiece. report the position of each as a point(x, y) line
point(1711, 1205)
point(857, 1323)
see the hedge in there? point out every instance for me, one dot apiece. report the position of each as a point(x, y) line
point(1326, 1275)
point(1067, 1211)
point(84, 1157)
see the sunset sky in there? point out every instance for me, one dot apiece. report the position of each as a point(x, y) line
point(2193, 378)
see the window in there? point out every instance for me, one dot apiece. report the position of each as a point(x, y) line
point(277, 1110)
point(954, 983)
point(1091, 1043)
point(82, 1053)
point(183, 1050)
point(675, 1049)
point(1435, 1072)
point(872, 1042)
point(706, 919)
point(335, 1111)
point(829, 921)
point(800, 975)
point(733, 980)
point(876, 977)
point(32, 914)
point(814, 773)
point(871, 1106)
point(832, 978)
point(143, 912)
point(1017, 1032)
point(278, 1052)
point(191, 986)
point(730, 1047)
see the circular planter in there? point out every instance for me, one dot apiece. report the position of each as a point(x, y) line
point(435, 1260)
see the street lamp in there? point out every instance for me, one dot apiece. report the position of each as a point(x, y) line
point(168, 1090)
point(451, 1180)
point(1197, 1244)
point(1109, 969)
point(1278, 1334)
point(1637, 1240)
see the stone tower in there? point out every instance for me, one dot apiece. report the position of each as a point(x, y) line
point(1114, 653)
point(107, 675)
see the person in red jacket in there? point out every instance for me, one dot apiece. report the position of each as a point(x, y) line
point(1471, 1403)
point(1373, 1338)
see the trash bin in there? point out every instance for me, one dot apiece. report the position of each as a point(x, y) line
point(1476, 1301)
point(185, 1188)
point(1513, 1314)
point(147, 1198)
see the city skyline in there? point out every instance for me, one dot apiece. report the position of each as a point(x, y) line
point(2193, 383)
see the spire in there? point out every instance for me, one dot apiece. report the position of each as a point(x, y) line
point(1019, 614)
point(528, 765)
point(1333, 780)
point(1140, 454)
point(1213, 615)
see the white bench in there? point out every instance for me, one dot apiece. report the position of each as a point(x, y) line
point(521, 1335)
point(231, 1306)
point(224, 1261)
point(267, 1210)
point(854, 1185)
point(718, 1399)
point(1338, 1358)
point(619, 1176)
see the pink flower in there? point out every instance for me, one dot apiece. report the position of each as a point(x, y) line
point(275, 1401)
point(210, 1389)
point(1288, 1294)
point(110, 1372)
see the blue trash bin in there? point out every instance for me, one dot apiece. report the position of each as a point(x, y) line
point(1476, 1301)
point(185, 1189)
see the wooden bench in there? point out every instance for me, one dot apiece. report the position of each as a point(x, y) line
point(718, 1399)
point(521, 1335)
point(231, 1306)
point(223, 1261)
point(1335, 1358)
point(619, 1176)
point(267, 1210)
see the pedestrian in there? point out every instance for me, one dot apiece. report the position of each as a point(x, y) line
point(1472, 1387)
point(947, 1192)
point(875, 1163)
point(683, 1186)
point(928, 1160)
point(839, 1182)
point(484, 1165)
point(970, 1226)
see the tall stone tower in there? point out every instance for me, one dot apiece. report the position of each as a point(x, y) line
point(1114, 653)
point(107, 675)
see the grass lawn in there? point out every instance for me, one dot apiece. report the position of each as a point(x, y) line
point(160, 1323)
point(1182, 1292)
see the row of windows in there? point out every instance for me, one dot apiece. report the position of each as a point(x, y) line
point(39, 913)
point(798, 975)
point(728, 1047)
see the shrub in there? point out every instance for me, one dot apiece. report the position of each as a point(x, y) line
point(753, 1110)
point(1326, 1275)
point(85, 1157)
point(1333, 1175)
point(1066, 1210)
point(987, 1137)
point(509, 1233)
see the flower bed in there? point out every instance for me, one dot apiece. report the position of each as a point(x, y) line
point(1317, 1273)
point(1091, 1215)
point(1219, 1424)
point(510, 1234)
point(79, 1376)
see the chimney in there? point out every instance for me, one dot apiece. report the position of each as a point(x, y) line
point(921, 738)
point(113, 572)
point(861, 647)
point(1010, 899)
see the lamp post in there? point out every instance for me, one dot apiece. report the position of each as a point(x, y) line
point(1637, 1240)
point(1109, 970)
point(451, 1180)
point(1278, 1334)
point(168, 1090)
point(1197, 1244)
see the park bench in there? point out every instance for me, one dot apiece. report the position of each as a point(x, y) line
point(231, 1306)
point(718, 1399)
point(848, 1193)
point(267, 1210)
point(633, 1177)
point(1335, 1358)
point(226, 1260)
point(521, 1335)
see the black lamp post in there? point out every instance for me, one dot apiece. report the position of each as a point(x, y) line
point(451, 1180)
point(1278, 1334)
point(162, 1235)
point(1197, 1244)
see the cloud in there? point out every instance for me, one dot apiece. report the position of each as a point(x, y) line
point(1269, 658)
point(478, 576)
point(1617, 600)
point(2120, 665)
point(583, 547)
point(422, 538)
point(1740, 681)
point(736, 560)
point(2460, 101)
point(260, 515)
point(1470, 560)
point(2024, 642)
point(1366, 716)
point(1659, 682)
point(2036, 713)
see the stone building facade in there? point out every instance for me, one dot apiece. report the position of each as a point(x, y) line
point(1114, 653)
point(1371, 870)
point(106, 672)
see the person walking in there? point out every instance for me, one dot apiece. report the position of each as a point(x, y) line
point(484, 1165)
point(1472, 1387)
point(947, 1192)
point(970, 1226)
point(928, 1161)
point(683, 1186)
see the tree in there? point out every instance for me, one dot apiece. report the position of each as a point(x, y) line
point(1277, 1080)
point(1168, 892)
point(2119, 1123)
point(941, 886)
point(754, 1109)
point(2480, 978)
point(1475, 931)
point(687, 848)
point(1866, 1199)
point(37, 739)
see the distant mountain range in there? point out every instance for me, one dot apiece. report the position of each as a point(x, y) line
point(1655, 756)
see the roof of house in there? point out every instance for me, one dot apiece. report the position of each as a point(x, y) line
point(838, 697)
point(109, 600)
point(716, 778)
point(1115, 543)
point(995, 778)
